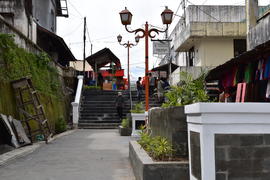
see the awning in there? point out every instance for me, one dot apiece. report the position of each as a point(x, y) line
point(102, 58)
point(245, 58)
point(165, 67)
point(51, 43)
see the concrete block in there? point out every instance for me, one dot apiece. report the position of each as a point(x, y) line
point(170, 123)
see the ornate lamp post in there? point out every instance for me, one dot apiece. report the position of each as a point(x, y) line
point(128, 45)
point(126, 18)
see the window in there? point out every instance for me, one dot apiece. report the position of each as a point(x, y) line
point(239, 46)
point(191, 57)
point(52, 21)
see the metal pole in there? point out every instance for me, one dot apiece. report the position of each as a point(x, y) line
point(130, 94)
point(128, 46)
point(84, 38)
point(146, 69)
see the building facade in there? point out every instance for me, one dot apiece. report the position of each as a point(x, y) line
point(207, 37)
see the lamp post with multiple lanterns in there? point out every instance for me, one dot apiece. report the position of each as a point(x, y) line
point(128, 45)
point(126, 18)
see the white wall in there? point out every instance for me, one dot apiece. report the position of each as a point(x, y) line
point(213, 52)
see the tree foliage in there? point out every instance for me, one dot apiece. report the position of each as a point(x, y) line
point(188, 91)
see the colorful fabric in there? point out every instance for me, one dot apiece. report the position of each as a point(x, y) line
point(267, 69)
point(268, 90)
point(248, 73)
point(228, 80)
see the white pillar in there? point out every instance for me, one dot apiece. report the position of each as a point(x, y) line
point(76, 103)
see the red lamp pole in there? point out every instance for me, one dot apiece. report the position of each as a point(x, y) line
point(146, 68)
point(126, 17)
point(128, 46)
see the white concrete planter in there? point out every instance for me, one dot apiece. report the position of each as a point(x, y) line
point(137, 120)
point(215, 129)
point(145, 168)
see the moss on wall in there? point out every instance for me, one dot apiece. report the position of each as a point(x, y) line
point(16, 63)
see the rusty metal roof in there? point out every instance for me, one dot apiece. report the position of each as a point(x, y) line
point(103, 57)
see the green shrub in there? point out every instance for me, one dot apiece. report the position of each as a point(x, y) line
point(159, 148)
point(92, 87)
point(138, 108)
point(188, 92)
point(16, 63)
point(125, 123)
point(60, 125)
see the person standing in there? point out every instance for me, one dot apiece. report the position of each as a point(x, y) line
point(160, 90)
point(139, 88)
point(119, 103)
point(152, 83)
point(100, 80)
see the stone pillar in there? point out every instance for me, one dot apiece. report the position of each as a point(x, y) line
point(228, 140)
point(252, 13)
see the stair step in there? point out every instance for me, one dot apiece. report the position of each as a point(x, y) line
point(99, 126)
point(98, 109)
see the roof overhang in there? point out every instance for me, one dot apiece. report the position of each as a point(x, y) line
point(102, 58)
point(166, 67)
point(51, 43)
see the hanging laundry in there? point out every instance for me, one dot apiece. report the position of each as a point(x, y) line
point(267, 69)
point(258, 70)
point(268, 90)
point(249, 72)
point(228, 80)
point(240, 74)
point(262, 69)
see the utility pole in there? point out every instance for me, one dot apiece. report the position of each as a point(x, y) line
point(91, 49)
point(84, 39)
point(184, 9)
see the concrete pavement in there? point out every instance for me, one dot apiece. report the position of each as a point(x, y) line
point(82, 155)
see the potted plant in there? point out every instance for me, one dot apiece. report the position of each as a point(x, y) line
point(138, 119)
point(124, 128)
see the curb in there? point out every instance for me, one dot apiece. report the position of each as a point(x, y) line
point(24, 151)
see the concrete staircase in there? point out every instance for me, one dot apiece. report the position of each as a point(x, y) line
point(98, 109)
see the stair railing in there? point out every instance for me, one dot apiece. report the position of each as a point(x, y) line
point(77, 102)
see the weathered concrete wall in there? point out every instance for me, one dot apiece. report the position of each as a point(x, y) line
point(260, 33)
point(145, 168)
point(242, 156)
point(196, 30)
point(18, 17)
point(19, 37)
point(216, 13)
point(170, 123)
point(44, 13)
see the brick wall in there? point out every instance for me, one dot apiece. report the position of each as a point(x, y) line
point(242, 157)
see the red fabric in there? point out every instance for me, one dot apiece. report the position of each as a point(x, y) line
point(118, 73)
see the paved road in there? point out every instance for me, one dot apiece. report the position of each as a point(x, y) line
point(82, 155)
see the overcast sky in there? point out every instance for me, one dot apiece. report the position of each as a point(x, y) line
point(103, 22)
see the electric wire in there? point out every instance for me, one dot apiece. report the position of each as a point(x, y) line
point(73, 31)
point(75, 9)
